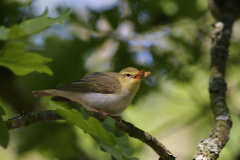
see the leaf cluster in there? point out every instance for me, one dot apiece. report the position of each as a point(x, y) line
point(103, 133)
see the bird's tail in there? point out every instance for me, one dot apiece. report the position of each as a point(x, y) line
point(42, 93)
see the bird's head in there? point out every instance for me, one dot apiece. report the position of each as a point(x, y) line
point(131, 76)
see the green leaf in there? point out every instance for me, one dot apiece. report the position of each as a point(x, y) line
point(85, 113)
point(127, 152)
point(22, 63)
point(4, 135)
point(109, 124)
point(2, 112)
point(92, 126)
point(31, 26)
point(16, 31)
point(122, 141)
point(118, 152)
point(112, 150)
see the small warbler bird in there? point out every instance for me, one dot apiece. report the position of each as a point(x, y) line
point(107, 92)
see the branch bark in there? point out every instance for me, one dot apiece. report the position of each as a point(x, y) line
point(26, 119)
point(225, 12)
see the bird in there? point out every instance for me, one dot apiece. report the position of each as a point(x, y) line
point(107, 92)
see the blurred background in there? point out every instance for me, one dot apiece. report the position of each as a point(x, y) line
point(167, 37)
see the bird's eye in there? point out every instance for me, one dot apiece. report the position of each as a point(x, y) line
point(128, 75)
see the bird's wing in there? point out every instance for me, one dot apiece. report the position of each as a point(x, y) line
point(96, 82)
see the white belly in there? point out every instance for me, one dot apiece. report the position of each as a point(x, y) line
point(109, 103)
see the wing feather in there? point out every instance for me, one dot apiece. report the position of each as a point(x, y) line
point(96, 82)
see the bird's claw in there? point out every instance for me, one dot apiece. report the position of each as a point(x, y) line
point(102, 112)
point(119, 118)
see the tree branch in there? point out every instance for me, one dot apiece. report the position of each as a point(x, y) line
point(26, 119)
point(226, 13)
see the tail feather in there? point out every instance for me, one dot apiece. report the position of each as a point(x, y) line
point(42, 93)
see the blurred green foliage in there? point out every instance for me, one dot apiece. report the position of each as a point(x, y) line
point(31, 26)
point(4, 136)
point(22, 63)
point(168, 37)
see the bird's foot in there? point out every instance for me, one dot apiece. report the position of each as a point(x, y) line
point(102, 112)
point(119, 118)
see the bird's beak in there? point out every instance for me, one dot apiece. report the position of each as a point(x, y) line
point(139, 75)
point(144, 74)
